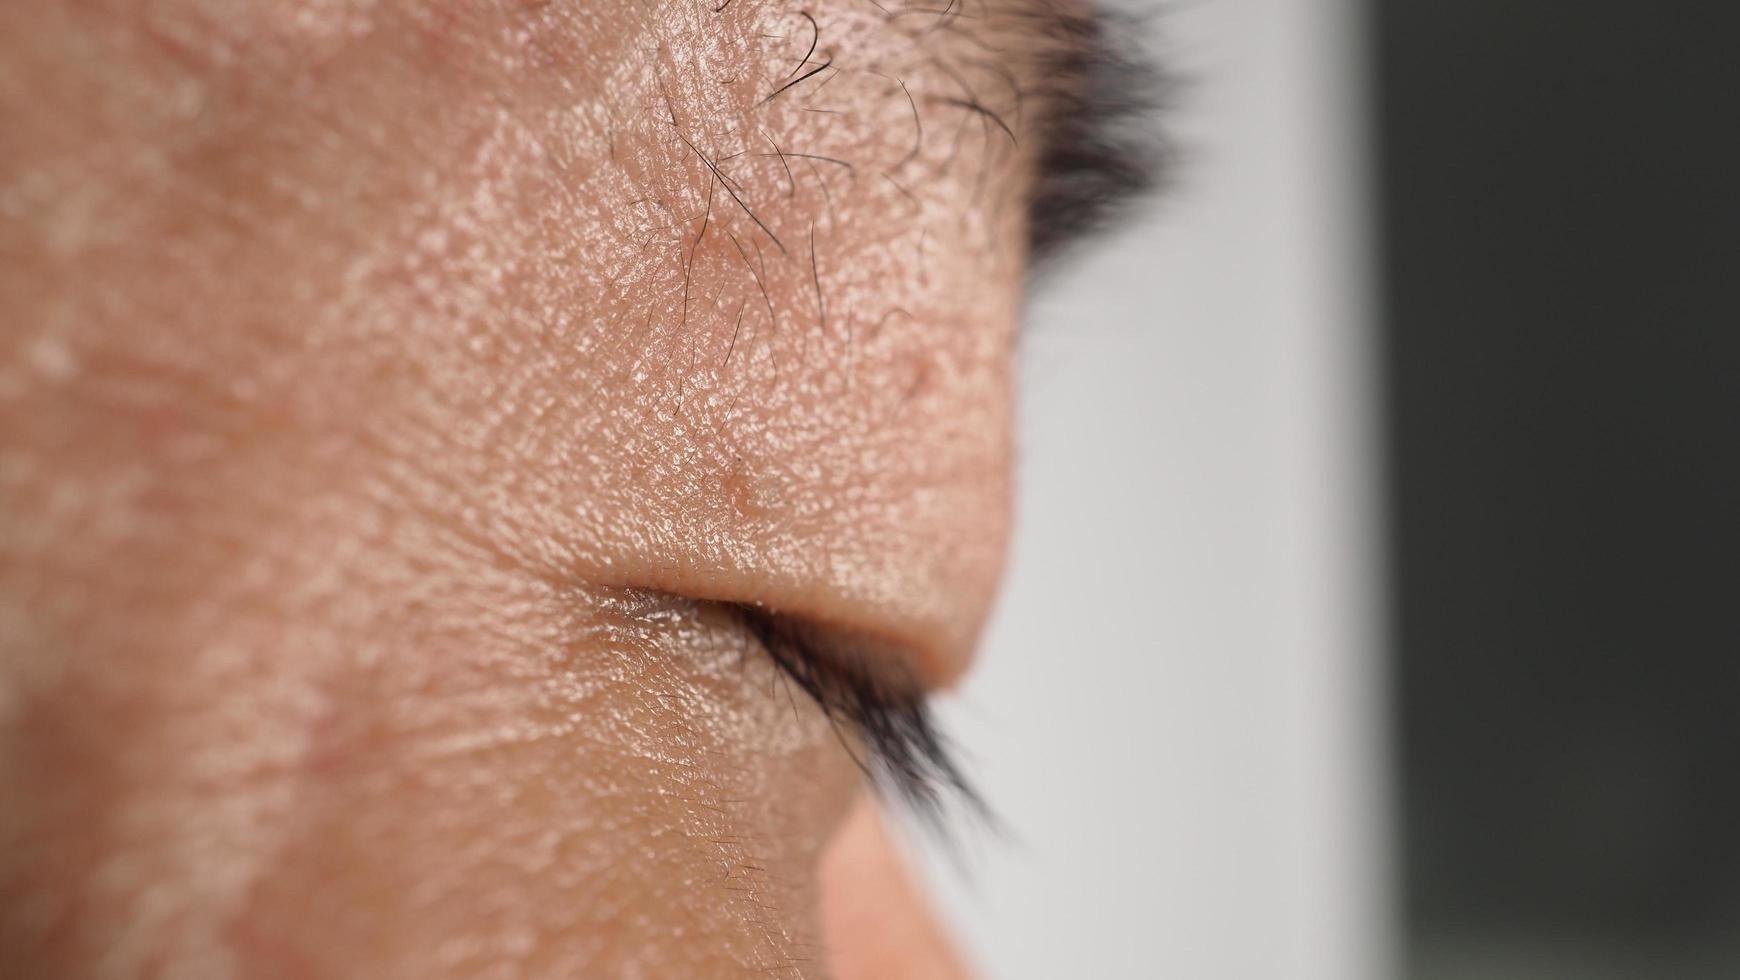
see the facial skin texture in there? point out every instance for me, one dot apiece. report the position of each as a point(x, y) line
point(387, 390)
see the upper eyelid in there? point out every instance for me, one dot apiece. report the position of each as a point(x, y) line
point(888, 666)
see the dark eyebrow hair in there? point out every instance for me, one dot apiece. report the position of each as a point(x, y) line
point(1102, 146)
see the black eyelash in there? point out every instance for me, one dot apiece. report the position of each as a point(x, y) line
point(1103, 147)
point(908, 756)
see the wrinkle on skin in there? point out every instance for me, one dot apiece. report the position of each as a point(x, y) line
point(365, 366)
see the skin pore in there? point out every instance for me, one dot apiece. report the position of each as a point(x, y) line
point(396, 397)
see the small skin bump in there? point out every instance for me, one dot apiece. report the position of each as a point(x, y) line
point(739, 486)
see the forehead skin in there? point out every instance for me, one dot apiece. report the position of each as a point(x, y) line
point(379, 386)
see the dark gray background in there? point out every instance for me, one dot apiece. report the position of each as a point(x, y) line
point(1560, 259)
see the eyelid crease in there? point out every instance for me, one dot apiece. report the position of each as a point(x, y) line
point(875, 700)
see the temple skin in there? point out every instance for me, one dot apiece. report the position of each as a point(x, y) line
point(388, 390)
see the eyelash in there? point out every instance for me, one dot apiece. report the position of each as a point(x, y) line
point(909, 758)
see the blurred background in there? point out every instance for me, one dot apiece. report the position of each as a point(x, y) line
point(1375, 609)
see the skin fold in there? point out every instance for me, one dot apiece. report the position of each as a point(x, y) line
point(390, 391)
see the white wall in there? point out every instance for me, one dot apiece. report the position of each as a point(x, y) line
point(1177, 712)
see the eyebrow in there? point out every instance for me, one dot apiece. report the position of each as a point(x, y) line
point(1101, 143)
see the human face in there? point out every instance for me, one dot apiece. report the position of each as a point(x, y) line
point(480, 482)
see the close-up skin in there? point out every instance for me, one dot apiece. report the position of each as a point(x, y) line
point(486, 487)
